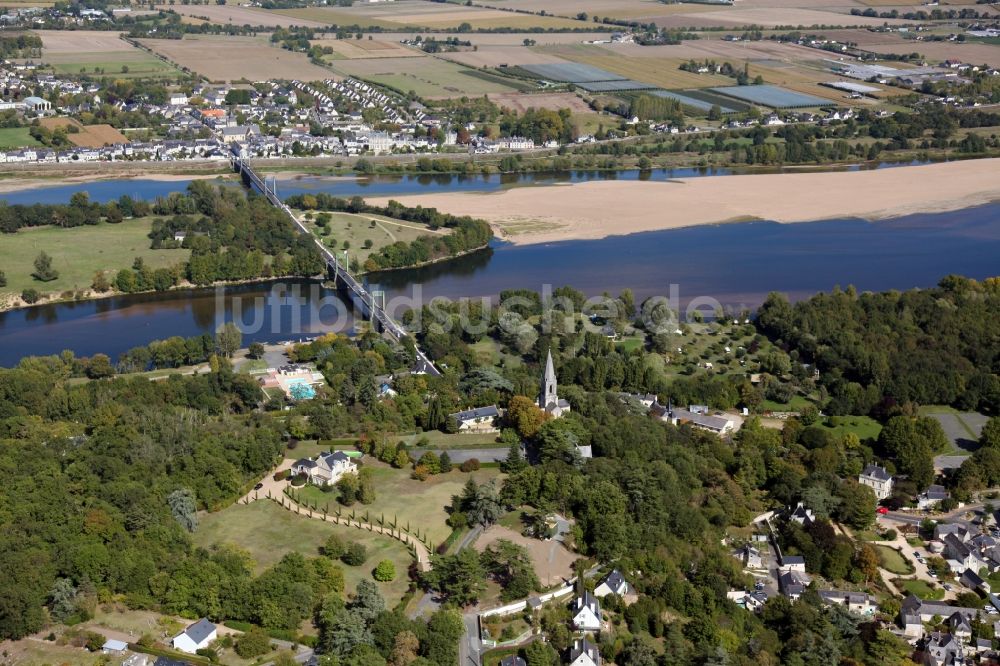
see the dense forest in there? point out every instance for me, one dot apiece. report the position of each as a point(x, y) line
point(924, 346)
point(105, 479)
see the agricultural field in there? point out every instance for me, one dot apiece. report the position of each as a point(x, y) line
point(268, 532)
point(100, 54)
point(421, 504)
point(704, 16)
point(427, 77)
point(521, 102)
point(222, 59)
point(366, 48)
point(482, 39)
point(497, 56)
point(663, 72)
point(78, 252)
point(16, 137)
point(240, 15)
point(357, 230)
point(88, 136)
point(622, 9)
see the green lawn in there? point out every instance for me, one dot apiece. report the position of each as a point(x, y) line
point(920, 589)
point(356, 230)
point(104, 64)
point(268, 532)
point(16, 137)
point(421, 504)
point(862, 426)
point(78, 253)
point(893, 561)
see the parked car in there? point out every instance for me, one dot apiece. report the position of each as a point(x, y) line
point(258, 486)
point(882, 510)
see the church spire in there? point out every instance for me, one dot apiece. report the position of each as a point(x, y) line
point(548, 396)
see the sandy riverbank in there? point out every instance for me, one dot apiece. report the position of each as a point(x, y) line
point(527, 215)
point(20, 184)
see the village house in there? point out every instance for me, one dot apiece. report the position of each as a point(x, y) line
point(196, 637)
point(478, 420)
point(326, 468)
point(584, 653)
point(749, 556)
point(793, 583)
point(878, 479)
point(802, 515)
point(587, 613)
point(513, 660)
point(613, 583)
point(932, 496)
point(858, 603)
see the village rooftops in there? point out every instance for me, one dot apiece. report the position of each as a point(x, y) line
point(200, 630)
point(477, 413)
point(876, 472)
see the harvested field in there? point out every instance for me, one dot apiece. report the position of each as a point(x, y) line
point(939, 51)
point(74, 52)
point(511, 38)
point(663, 72)
point(239, 15)
point(428, 77)
point(495, 56)
point(237, 58)
point(89, 136)
point(326, 16)
point(417, 14)
point(706, 17)
point(521, 102)
point(610, 8)
point(552, 561)
point(367, 48)
point(59, 42)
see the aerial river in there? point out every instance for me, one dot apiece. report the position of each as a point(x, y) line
point(736, 264)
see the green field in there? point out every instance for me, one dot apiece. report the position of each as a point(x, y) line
point(356, 230)
point(79, 252)
point(140, 64)
point(893, 561)
point(862, 426)
point(421, 504)
point(268, 532)
point(16, 137)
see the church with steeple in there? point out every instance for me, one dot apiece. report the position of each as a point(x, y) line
point(548, 398)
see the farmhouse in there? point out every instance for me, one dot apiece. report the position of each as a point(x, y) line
point(326, 468)
point(932, 496)
point(197, 636)
point(587, 613)
point(877, 479)
point(480, 419)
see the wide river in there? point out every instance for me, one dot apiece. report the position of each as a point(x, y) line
point(735, 264)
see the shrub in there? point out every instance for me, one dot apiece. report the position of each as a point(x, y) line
point(95, 641)
point(385, 571)
point(355, 555)
point(211, 654)
point(334, 547)
point(470, 465)
point(299, 480)
point(253, 644)
point(282, 475)
point(420, 473)
point(30, 296)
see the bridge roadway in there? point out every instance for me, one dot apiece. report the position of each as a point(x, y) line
point(363, 299)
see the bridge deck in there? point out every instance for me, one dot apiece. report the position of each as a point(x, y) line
point(364, 299)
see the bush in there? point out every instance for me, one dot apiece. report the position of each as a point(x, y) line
point(253, 644)
point(334, 547)
point(355, 555)
point(95, 641)
point(282, 475)
point(211, 654)
point(30, 296)
point(470, 465)
point(299, 480)
point(385, 571)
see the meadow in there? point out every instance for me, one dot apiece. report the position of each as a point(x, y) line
point(16, 137)
point(268, 532)
point(78, 252)
point(421, 504)
point(356, 230)
point(100, 54)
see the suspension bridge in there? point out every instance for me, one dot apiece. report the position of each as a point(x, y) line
point(368, 302)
